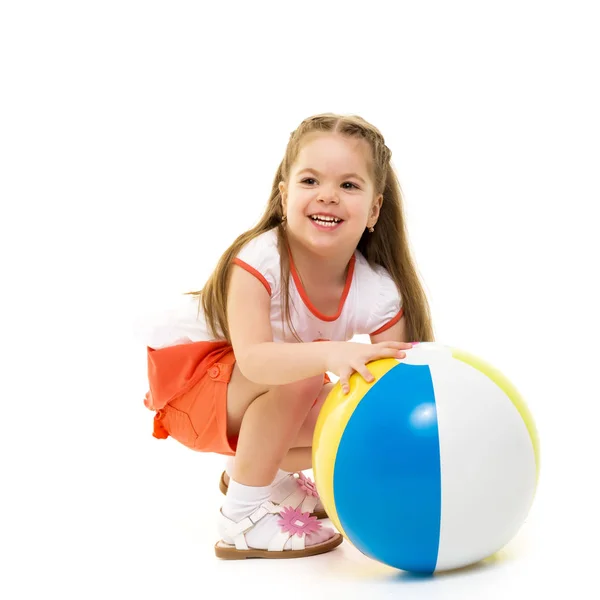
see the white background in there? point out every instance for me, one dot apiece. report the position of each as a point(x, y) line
point(137, 139)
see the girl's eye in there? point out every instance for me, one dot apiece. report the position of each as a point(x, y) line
point(311, 181)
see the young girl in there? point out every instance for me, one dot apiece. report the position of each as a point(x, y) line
point(329, 259)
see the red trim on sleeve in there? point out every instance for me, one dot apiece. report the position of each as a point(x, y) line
point(390, 323)
point(253, 271)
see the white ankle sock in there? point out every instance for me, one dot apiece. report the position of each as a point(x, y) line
point(242, 500)
point(229, 470)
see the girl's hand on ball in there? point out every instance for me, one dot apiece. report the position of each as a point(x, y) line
point(345, 358)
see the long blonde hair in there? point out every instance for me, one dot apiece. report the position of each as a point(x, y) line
point(386, 246)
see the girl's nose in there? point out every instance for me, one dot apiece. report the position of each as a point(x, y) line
point(328, 196)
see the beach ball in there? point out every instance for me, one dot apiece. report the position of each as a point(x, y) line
point(433, 466)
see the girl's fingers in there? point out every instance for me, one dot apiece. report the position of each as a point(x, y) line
point(364, 372)
point(389, 353)
point(397, 345)
point(406, 345)
point(344, 382)
point(380, 350)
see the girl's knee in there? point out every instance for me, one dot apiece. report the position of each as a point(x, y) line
point(306, 389)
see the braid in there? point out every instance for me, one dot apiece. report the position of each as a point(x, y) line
point(351, 125)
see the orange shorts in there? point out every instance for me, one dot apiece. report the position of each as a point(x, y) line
point(188, 391)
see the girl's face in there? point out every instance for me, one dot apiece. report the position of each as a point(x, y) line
point(330, 197)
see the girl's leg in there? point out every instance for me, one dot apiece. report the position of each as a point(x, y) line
point(299, 456)
point(267, 421)
point(304, 439)
point(297, 459)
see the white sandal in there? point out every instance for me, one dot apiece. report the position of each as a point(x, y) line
point(293, 524)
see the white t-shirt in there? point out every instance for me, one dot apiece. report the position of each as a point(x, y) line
point(370, 303)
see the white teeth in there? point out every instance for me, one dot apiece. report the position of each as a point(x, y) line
point(324, 220)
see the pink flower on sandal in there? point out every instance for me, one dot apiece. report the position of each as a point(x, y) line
point(307, 485)
point(297, 523)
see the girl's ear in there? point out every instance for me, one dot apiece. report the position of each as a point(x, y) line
point(375, 210)
point(283, 192)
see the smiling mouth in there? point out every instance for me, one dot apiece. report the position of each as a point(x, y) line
point(325, 221)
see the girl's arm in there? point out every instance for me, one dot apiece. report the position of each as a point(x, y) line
point(259, 358)
point(396, 333)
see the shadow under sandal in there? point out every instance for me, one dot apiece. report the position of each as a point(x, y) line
point(296, 535)
point(297, 491)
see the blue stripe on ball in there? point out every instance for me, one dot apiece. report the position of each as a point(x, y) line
point(391, 510)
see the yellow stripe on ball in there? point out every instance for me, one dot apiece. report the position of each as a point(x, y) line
point(329, 429)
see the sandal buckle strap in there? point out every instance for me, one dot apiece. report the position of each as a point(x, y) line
point(237, 531)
